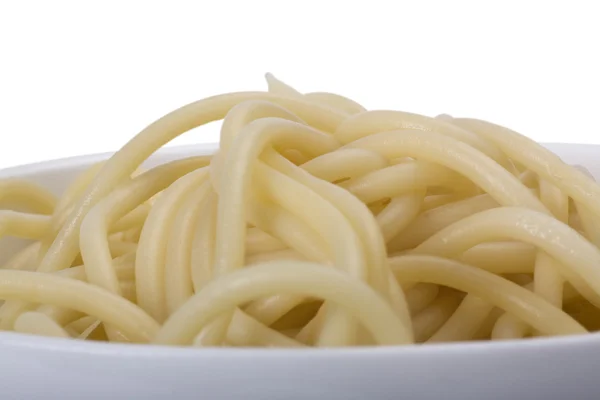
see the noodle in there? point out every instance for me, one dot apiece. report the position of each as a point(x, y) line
point(316, 223)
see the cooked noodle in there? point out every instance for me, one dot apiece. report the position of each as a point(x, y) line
point(316, 223)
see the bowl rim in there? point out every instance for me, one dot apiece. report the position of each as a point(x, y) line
point(74, 161)
point(16, 341)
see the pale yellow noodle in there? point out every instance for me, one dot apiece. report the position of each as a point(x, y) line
point(426, 322)
point(286, 226)
point(240, 116)
point(94, 246)
point(335, 101)
point(370, 233)
point(73, 192)
point(89, 331)
point(237, 174)
point(529, 179)
point(363, 223)
point(295, 156)
point(132, 235)
point(95, 227)
point(497, 290)
point(150, 262)
point(291, 323)
point(344, 164)
point(401, 179)
point(89, 299)
point(203, 243)
point(543, 162)
point(245, 331)
point(59, 315)
point(23, 225)
point(464, 322)
point(467, 161)
point(485, 330)
point(323, 217)
point(270, 309)
point(277, 86)
point(584, 218)
point(444, 117)
point(39, 324)
point(178, 267)
point(124, 269)
point(377, 207)
point(27, 196)
point(577, 258)
point(290, 229)
point(420, 296)
point(308, 334)
point(475, 310)
point(432, 221)
point(509, 327)
point(501, 257)
point(132, 220)
point(65, 246)
point(66, 203)
point(229, 248)
point(292, 277)
point(398, 215)
point(373, 122)
point(118, 248)
point(332, 100)
point(287, 254)
point(66, 316)
point(26, 259)
point(234, 122)
point(438, 200)
point(80, 325)
point(548, 282)
point(588, 223)
point(258, 241)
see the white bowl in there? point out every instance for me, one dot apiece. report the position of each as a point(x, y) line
point(45, 368)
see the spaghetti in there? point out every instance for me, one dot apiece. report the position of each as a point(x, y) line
point(316, 223)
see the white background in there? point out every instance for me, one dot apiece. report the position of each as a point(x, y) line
point(81, 77)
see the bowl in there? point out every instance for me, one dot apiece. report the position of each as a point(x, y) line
point(41, 368)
